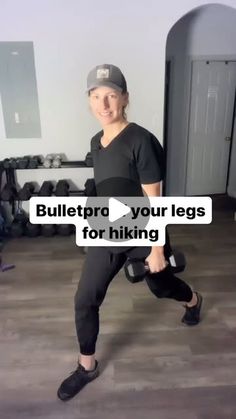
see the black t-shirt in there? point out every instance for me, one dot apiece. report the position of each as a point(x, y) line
point(133, 157)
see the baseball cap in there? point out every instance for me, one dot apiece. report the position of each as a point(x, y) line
point(106, 75)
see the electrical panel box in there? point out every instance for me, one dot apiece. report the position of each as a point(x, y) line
point(18, 90)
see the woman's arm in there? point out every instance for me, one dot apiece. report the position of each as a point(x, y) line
point(156, 259)
point(152, 189)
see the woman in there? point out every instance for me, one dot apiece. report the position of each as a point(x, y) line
point(128, 160)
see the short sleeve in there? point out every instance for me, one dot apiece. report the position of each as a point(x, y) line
point(150, 162)
point(94, 143)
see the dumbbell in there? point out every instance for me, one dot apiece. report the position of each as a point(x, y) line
point(52, 160)
point(56, 161)
point(62, 188)
point(26, 192)
point(10, 163)
point(6, 163)
point(32, 230)
point(46, 188)
point(13, 163)
point(48, 230)
point(136, 270)
point(64, 229)
point(48, 161)
point(18, 224)
point(22, 162)
point(34, 162)
point(90, 187)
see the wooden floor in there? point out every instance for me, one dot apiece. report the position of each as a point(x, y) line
point(152, 366)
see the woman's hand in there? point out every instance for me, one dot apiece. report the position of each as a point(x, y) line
point(156, 261)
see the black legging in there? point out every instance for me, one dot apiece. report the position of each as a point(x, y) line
point(100, 267)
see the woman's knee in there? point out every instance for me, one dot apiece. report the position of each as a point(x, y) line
point(82, 301)
point(87, 300)
point(161, 284)
point(161, 292)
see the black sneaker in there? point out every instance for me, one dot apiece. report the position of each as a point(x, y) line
point(76, 381)
point(192, 314)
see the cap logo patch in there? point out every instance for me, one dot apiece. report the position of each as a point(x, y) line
point(103, 73)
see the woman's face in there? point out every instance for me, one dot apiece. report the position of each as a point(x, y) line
point(107, 104)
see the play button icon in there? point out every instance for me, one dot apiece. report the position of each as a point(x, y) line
point(122, 200)
point(117, 209)
point(122, 215)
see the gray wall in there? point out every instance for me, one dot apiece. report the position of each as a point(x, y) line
point(206, 32)
point(69, 37)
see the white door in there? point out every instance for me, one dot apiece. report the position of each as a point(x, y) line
point(211, 116)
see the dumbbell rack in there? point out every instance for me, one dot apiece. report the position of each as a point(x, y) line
point(10, 173)
point(64, 164)
point(15, 163)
